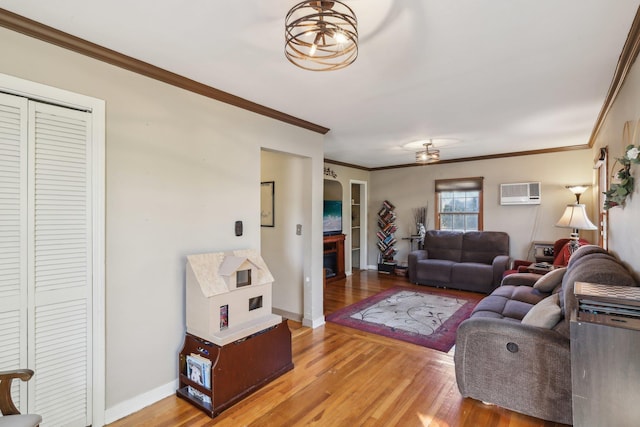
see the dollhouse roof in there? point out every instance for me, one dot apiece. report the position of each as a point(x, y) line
point(213, 271)
point(232, 264)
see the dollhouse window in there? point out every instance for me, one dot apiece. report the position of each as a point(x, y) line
point(243, 278)
point(255, 303)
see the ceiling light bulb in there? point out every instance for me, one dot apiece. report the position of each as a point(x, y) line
point(340, 37)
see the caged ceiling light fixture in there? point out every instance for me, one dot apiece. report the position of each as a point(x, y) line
point(321, 35)
point(428, 155)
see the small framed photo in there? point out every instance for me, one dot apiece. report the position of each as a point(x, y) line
point(267, 190)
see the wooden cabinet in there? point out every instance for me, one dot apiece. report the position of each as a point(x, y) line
point(333, 262)
point(237, 369)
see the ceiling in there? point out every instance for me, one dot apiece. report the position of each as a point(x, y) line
point(479, 77)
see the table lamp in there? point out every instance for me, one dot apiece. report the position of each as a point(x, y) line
point(575, 217)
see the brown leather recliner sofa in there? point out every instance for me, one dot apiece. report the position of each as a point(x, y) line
point(472, 260)
point(511, 352)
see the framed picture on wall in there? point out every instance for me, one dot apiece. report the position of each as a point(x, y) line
point(267, 190)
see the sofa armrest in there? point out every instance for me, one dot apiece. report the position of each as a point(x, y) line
point(517, 263)
point(500, 265)
point(519, 367)
point(520, 279)
point(413, 259)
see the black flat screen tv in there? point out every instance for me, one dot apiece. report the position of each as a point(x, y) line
point(332, 217)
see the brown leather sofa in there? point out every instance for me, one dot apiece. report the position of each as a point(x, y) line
point(502, 360)
point(472, 260)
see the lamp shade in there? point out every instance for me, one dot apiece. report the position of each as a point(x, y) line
point(575, 217)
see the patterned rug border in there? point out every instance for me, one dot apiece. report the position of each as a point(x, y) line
point(442, 340)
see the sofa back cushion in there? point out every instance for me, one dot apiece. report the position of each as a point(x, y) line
point(589, 264)
point(441, 244)
point(484, 246)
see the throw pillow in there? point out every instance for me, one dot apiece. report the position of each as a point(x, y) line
point(549, 281)
point(545, 314)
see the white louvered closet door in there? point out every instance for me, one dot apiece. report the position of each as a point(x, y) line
point(13, 239)
point(54, 299)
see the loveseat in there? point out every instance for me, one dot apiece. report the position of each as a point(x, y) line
point(514, 350)
point(471, 261)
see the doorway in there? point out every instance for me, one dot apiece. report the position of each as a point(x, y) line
point(282, 241)
point(358, 229)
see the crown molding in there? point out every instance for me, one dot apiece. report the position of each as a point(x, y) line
point(466, 159)
point(59, 38)
point(625, 62)
point(349, 165)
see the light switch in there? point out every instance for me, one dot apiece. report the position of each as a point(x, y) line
point(299, 229)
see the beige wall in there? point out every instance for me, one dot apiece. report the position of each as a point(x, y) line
point(624, 223)
point(282, 249)
point(413, 187)
point(180, 170)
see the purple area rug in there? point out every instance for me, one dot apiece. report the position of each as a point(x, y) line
point(424, 317)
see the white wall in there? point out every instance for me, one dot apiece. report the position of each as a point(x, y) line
point(624, 226)
point(282, 249)
point(412, 187)
point(180, 170)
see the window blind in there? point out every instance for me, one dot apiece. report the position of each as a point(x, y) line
point(459, 184)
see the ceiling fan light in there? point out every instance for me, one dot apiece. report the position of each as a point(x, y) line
point(428, 155)
point(321, 35)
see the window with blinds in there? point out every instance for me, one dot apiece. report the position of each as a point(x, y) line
point(459, 204)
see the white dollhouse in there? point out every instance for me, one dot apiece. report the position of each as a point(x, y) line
point(228, 296)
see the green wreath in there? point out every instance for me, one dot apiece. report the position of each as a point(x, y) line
point(618, 192)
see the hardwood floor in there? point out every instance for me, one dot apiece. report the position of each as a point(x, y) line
point(345, 377)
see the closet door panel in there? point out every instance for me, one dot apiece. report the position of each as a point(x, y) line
point(13, 240)
point(60, 264)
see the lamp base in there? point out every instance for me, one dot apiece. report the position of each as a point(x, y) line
point(574, 244)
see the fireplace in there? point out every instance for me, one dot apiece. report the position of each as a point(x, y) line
point(330, 265)
point(333, 261)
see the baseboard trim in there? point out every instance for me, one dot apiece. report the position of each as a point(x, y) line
point(287, 314)
point(140, 401)
point(313, 323)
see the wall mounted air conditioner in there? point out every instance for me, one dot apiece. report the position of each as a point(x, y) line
point(521, 193)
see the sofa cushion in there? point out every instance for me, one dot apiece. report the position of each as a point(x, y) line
point(546, 314)
point(472, 273)
point(446, 245)
point(510, 302)
point(435, 270)
point(551, 280)
point(484, 246)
